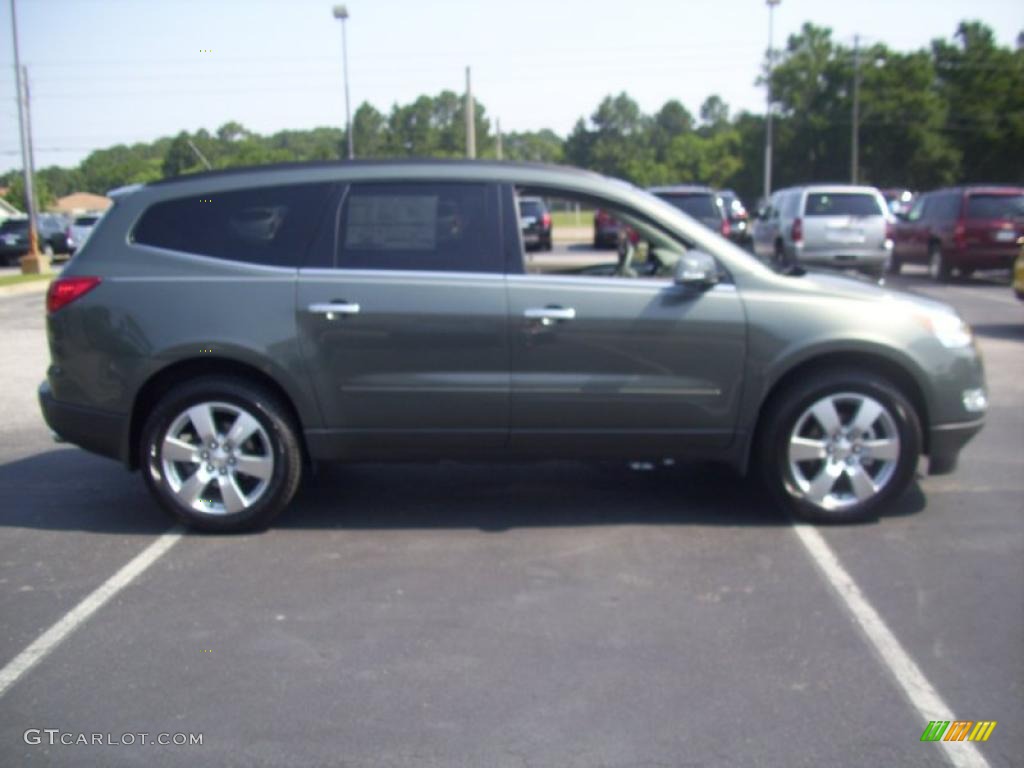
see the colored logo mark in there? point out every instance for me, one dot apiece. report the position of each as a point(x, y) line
point(959, 730)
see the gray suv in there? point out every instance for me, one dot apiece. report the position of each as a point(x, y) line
point(828, 225)
point(223, 331)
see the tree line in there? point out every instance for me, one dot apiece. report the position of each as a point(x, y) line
point(952, 112)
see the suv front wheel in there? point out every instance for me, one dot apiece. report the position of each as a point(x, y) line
point(839, 446)
point(221, 454)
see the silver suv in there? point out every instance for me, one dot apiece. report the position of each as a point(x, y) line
point(833, 225)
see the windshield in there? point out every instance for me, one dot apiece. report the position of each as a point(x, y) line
point(842, 204)
point(995, 206)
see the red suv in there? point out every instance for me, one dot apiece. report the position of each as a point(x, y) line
point(961, 228)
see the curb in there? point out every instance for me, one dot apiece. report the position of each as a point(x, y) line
point(36, 286)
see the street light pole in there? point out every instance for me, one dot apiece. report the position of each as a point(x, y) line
point(768, 103)
point(26, 152)
point(341, 12)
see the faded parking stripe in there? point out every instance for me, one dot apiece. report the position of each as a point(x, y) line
point(74, 618)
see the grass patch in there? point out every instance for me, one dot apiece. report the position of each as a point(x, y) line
point(18, 279)
point(568, 218)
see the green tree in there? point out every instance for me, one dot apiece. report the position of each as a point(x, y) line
point(16, 193)
point(983, 84)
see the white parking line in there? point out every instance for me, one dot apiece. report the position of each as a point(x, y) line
point(922, 694)
point(56, 634)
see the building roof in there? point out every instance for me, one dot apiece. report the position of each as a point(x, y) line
point(81, 201)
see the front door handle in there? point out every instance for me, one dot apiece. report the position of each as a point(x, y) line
point(550, 315)
point(332, 308)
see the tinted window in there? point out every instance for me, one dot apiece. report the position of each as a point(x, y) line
point(86, 221)
point(531, 208)
point(995, 206)
point(433, 227)
point(842, 204)
point(263, 225)
point(698, 206)
point(14, 225)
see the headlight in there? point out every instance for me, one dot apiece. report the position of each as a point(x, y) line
point(948, 328)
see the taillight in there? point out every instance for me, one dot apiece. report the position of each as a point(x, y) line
point(726, 227)
point(797, 232)
point(960, 235)
point(890, 230)
point(546, 220)
point(64, 290)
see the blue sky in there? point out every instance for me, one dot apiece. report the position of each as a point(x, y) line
point(111, 71)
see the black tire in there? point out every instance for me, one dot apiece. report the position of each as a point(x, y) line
point(779, 260)
point(938, 265)
point(786, 410)
point(281, 436)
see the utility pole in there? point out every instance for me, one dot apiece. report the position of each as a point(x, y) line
point(470, 119)
point(497, 128)
point(855, 136)
point(768, 103)
point(21, 84)
point(341, 14)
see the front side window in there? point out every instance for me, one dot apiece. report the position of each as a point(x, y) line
point(918, 210)
point(270, 226)
point(434, 227)
point(842, 204)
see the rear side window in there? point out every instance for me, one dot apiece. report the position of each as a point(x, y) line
point(995, 206)
point(842, 204)
point(698, 206)
point(270, 226)
point(419, 226)
point(86, 221)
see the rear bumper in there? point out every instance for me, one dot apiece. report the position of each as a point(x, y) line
point(98, 431)
point(945, 442)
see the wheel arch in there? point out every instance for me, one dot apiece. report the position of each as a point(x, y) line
point(899, 373)
point(162, 381)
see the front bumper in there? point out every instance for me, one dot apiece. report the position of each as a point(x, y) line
point(945, 442)
point(98, 431)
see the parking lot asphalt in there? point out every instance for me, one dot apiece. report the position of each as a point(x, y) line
point(558, 614)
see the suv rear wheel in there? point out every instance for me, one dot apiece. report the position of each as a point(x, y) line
point(221, 454)
point(938, 265)
point(838, 446)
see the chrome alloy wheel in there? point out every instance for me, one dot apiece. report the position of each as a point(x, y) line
point(217, 458)
point(843, 450)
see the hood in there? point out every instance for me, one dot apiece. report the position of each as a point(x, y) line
point(863, 289)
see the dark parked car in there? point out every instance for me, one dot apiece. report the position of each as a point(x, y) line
point(962, 229)
point(736, 212)
point(702, 203)
point(52, 237)
point(384, 311)
point(606, 229)
point(535, 220)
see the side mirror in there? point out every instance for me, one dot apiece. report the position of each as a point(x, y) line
point(695, 269)
point(901, 216)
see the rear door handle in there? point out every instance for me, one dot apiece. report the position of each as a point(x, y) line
point(550, 315)
point(331, 308)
